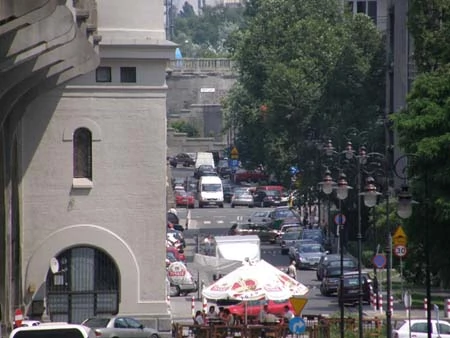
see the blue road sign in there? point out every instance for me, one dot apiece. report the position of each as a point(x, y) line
point(379, 261)
point(297, 325)
point(340, 219)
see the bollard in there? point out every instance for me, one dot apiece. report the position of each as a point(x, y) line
point(193, 307)
point(169, 310)
point(205, 305)
point(373, 299)
point(380, 301)
point(391, 304)
point(447, 310)
point(425, 306)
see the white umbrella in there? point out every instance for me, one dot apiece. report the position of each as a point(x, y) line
point(254, 281)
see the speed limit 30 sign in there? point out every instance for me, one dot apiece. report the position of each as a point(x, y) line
point(400, 250)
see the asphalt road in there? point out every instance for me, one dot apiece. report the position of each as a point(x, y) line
point(217, 221)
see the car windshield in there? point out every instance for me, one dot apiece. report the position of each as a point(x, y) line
point(353, 281)
point(291, 235)
point(310, 248)
point(211, 187)
point(260, 214)
point(313, 235)
point(284, 213)
point(96, 322)
point(273, 193)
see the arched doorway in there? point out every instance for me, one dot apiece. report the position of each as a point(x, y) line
point(87, 284)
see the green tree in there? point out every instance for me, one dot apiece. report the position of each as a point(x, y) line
point(185, 127)
point(424, 130)
point(205, 35)
point(312, 67)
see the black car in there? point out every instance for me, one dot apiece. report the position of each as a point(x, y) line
point(184, 159)
point(332, 274)
point(267, 198)
point(350, 293)
point(204, 170)
point(333, 260)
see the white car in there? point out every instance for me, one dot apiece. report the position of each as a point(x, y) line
point(419, 329)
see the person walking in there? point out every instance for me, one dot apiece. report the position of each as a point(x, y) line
point(292, 270)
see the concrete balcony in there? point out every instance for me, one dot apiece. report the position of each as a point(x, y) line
point(197, 66)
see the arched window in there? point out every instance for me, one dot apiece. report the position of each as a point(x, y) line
point(82, 153)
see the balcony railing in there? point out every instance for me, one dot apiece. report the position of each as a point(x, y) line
point(186, 65)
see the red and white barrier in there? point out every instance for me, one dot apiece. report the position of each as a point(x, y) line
point(447, 307)
point(18, 318)
point(193, 307)
point(380, 301)
point(373, 299)
point(391, 304)
point(425, 306)
point(205, 305)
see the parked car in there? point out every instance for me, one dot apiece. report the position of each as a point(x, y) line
point(315, 235)
point(260, 217)
point(334, 260)
point(419, 329)
point(289, 239)
point(242, 199)
point(175, 255)
point(119, 327)
point(184, 199)
point(284, 215)
point(254, 307)
point(293, 249)
point(269, 198)
point(308, 255)
point(349, 294)
point(332, 275)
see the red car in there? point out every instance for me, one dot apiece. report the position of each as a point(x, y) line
point(243, 175)
point(174, 255)
point(254, 307)
point(185, 199)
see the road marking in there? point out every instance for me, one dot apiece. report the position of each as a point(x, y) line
point(220, 221)
point(206, 222)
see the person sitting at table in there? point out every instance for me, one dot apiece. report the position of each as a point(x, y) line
point(288, 314)
point(227, 317)
point(211, 312)
point(198, 319)
point(263, 314)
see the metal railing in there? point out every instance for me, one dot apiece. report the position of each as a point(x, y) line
point(212, 65)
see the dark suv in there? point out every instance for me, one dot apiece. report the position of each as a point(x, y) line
point(350, 293)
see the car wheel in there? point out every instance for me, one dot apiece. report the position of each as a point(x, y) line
point(250, 206)
point(232, 205)
point(154, 336)
point(200, 205)
point(221, 206)
point(262, 204)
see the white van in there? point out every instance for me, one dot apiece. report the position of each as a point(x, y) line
point(53, 330)
point(204, 158)
point(210, 191)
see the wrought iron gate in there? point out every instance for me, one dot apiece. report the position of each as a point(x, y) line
point(87, 284)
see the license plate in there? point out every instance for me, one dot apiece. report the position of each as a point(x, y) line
point(212, 202)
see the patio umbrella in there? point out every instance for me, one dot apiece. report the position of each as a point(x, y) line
point(254, 281)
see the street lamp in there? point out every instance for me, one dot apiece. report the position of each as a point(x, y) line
point(342, 193)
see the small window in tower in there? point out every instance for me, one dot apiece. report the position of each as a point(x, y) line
point(128, 74)
point(82, 158)
point(103, 74)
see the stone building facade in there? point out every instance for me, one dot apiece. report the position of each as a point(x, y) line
point(85, 220)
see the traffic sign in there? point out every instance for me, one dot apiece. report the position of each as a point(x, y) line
point(298, 304)
point(340, 219)
point(400, 250)
point(297, 325)
point(400, 237)
point(379, 261)
point(234, 154)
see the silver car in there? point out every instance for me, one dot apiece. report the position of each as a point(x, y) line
point(242, 199)
point(119, 327)
point(308, 255)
